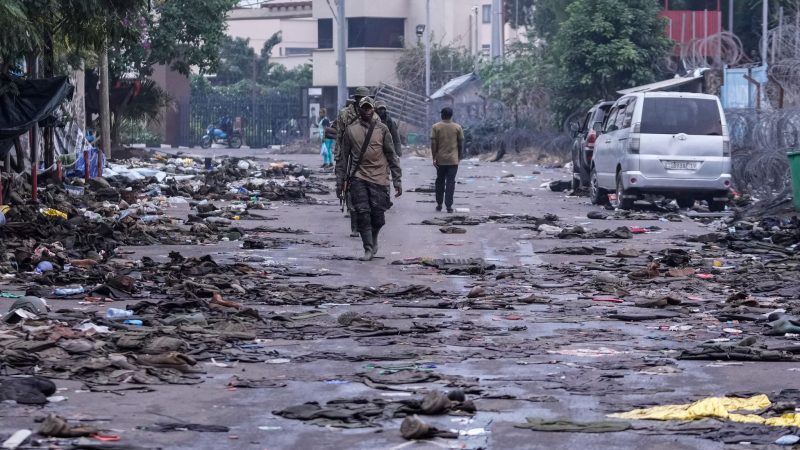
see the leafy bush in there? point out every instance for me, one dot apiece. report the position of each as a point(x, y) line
point(137, 133)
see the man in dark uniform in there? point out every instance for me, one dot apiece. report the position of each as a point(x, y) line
point(363, 166)
point(380, 108)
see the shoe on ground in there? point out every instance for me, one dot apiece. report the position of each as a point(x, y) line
point(439, 208)
point(450, 210)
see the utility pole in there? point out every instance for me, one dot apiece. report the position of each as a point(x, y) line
point(427, 38)
point(477, 55)
point(764, 30)
point(497, 31)
point(105, 109)
point(730, 16)
point(341, 60)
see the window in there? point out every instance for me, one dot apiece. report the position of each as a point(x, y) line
point(626, 122)
point(485, 49)
point(298, 51)
point(600, 116)
point(586, 122)
point(375, 32)
point(620, 119)
point(487, 13)
point(693, 116)
point(610, 124)
point(325, 33)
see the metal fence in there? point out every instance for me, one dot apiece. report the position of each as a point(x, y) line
point(265, 120)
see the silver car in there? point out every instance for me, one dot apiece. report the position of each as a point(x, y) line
point(673, 144)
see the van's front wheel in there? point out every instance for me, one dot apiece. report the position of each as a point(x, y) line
point(597, 195)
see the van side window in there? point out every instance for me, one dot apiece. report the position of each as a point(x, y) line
point(620, 119)
point(586, 122)
point(611, 121)
point(626, 123)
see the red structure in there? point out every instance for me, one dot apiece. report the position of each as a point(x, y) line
point(704, 18)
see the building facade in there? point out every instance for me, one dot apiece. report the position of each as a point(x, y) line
point(379, 30)
point(292, 18)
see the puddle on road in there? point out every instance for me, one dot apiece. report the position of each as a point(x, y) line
point(527, 257)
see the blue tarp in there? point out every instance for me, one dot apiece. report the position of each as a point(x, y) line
point(77, 171)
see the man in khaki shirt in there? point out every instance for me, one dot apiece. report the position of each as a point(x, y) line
point(345, 118)
point(447, 146)
point(365, 174)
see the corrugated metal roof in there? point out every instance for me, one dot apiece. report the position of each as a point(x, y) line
point(660, 85)
point(454, 85)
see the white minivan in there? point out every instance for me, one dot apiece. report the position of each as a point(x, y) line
point(673, 144)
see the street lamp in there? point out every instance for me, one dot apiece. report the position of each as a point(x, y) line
point(420, 32)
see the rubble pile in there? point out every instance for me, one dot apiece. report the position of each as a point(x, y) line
point(77, 222)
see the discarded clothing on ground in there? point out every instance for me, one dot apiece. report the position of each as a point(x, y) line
point(718, 407)
point(572, 426)
point(26, 391)
point(362, 412)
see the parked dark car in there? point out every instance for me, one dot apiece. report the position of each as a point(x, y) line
point(583, 144)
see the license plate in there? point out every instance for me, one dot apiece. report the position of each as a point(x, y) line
point(681, 165)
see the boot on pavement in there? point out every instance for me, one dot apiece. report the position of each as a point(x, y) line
point(369, 246)
point(353, 225)
point(375, 232)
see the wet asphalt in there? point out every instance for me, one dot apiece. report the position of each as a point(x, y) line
point(537, 380)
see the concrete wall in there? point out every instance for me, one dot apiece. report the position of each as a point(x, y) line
point(177, 86)
point(365, 67)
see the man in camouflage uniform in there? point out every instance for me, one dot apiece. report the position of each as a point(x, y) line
point(366, 176)
point(381, 109)
point(347, 116)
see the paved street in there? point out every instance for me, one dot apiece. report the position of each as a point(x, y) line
point(557, 354)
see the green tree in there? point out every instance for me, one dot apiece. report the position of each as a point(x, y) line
point(603, 46)
point(519, 84)
point(63, 28)
point(188, 33)
point(236, 61)
point(289, 82)
point(547, 18)
point(183, 34)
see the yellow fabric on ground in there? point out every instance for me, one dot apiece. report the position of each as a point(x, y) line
point(719, 407)
point(786, 420)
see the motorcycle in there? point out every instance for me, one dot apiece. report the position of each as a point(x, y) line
point(216, 135)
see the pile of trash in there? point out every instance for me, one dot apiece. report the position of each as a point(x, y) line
point(232, 178)
point(83, 223)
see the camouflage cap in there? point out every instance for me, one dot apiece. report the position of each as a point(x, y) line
point(366, 101)
point(380, 104)
point(361, 91)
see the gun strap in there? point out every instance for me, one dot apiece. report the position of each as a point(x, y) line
point(363, 150)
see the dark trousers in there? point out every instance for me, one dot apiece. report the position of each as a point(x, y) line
point(446, 184)
point(370, 201)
